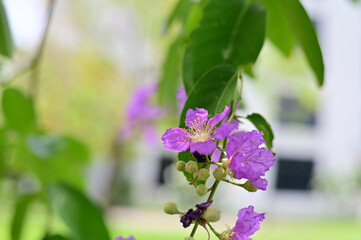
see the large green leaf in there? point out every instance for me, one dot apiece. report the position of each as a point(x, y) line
point(82, 217)
point(231, 31)
point(6, 42)
point(304, 31)
point(51, 159)
point(278, 31)
point(18, 110)
point(262, 125)
point(171, 70)
point(20, 211)
point(213, 91)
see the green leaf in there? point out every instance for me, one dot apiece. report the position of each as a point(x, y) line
point(169, 82)
point(82, 217)
point(213, 91)
point(262, 125)
point(179, 13)
point(2, 151)
point(230, 32)
point(304, 31)
point(18, 110)
point(20, 212)
point(6, 42)
point(278, 30)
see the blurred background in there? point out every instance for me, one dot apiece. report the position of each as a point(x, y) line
point(99, 52)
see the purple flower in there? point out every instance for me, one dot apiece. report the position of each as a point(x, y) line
point(120, 238)
point(181, 98)
point(199, 134)
point(248, 223)
point(247, 159)
point(141, 114)
point(192, 215)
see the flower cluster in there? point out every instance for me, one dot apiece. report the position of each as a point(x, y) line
point(237, 156)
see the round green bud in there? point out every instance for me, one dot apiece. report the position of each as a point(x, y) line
point(249, 186)
point(219, 174)
point(191, 167)
point(201, 190)
point(212, 214)
point(171, 208)
point(203, 174)
point(180, 165)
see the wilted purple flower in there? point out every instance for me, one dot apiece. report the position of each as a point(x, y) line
point(181, 98)
point(199, 134)
point(192, 215)
point(248, 223)
point(120, 238)
point(247, 159)
point(141, 113)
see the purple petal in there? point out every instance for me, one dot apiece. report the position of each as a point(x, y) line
point(224, 130)
point(206, 147)
point(181, 98)
point(204, 206)
point(260, 183)
point(216, 119)
point(176, 139)
point(244, 142)
point(248, 223)
point(252, 166)
point(196, 118)
point(128, 238)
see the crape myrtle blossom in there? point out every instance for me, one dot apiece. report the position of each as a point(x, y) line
point(247, 159)
point(141, 114)
point(192, 215)
point(128, 238)
point(247, 224)
point(200, 132)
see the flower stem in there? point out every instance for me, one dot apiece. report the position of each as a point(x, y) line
point(214, 230)
point(236, 184)
point(210, 197)
point(238, 101)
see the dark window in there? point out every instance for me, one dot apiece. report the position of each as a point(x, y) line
point(163, 164)
point(294, 174)
point(293, 112)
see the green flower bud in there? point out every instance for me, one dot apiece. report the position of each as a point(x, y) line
point(171, 208)
point(212, 214)
point(203, 174)
point(191, 167)
point(180, 165)
point(219, 174)
point(249, 186)
point(201, 190)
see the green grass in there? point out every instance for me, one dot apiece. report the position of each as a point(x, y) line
point(270, 229)
point(274, 230)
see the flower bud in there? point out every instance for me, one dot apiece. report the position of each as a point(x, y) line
point(191, 167)
point(249, 186)
point(201, 190)
point(219, 174)
point(203, 174)
point(171, 208)
point(180, 165)
point(212, 214)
